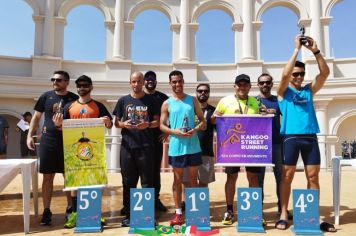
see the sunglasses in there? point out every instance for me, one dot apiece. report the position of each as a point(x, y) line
point(265, 82)
point(203, 91)
point(297, 74)
point(83, 85)
point(56, 80)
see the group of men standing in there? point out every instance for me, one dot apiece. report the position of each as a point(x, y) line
point(148, 117)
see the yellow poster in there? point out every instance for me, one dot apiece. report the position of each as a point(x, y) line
point(84, 152)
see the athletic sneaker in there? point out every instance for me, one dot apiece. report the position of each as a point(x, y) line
point(72, 219)
point(125, 222)
point(103, 221)
point(178, 219)
point(228, 218)
point(46, 217)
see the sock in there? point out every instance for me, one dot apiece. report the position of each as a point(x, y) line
point(230, 208)
point(179, 211)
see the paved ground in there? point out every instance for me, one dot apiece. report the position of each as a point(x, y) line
point(11, 220)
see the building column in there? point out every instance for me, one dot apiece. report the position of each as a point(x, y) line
point(118, 48)
point(175, 28)
point(321, 115)
point(315, 29)
point(39, 22)
point(257, 27)
point(60, 23)
point(129, 26)
point(184, 45)
point(247, 34)
point(237, 28)
point(325, 22)
point(48, 32)
point(193, 27)
point(109, 29)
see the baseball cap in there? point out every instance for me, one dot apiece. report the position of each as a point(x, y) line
point(84, 78)
point(242, 77)
point(150, 75)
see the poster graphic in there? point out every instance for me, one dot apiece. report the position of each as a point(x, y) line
point(84, 152)
point(244, 140)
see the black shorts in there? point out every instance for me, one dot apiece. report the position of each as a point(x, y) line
point(236, 169)
point(3, 147)
point(306, 144)
point(51, 154)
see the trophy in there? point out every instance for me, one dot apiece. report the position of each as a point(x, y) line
point(59, 108)
point(345, 150)
point(185, 127)
point(261, 108)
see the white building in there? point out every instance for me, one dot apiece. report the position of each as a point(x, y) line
point(23, 80)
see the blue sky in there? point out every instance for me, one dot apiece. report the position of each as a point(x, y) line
point(85, 35)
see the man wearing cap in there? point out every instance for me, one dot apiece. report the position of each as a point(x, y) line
point(239, 103)
point(84, 107)
point(25, 151)
point(150, 88)
point(51, 144)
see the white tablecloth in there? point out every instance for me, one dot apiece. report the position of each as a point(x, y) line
point(9, 168)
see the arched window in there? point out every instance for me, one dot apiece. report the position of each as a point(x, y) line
point(84, 35)
point(152, 38)
point(17, 29)
point(215, 38)
point(342, 29)
point(277, 35)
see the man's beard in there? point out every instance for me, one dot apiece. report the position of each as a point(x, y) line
point(83, 93)
point(203, 99)
point(150, 86)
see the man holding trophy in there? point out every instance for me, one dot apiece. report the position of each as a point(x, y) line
point(178, 120)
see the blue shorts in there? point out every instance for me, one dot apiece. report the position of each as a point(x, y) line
point(305, 144)
point(185, 160)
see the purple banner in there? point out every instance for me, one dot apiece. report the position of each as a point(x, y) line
point(244, 140)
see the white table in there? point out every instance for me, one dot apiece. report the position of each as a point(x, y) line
point(9, 168)
point(337, 163)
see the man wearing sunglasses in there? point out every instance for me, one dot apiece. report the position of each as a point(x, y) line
point(206, 173)
point(268, 103)
point(83, 107)
point(299, 125)
point(51, 143)
point(150, 88)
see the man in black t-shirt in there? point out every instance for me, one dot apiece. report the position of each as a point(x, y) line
point(51, 143)
point(206, 171)
point(150, 85)
point(137, 115)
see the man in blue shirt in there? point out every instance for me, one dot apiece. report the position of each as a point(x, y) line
point(268, 103)
point(299, 125)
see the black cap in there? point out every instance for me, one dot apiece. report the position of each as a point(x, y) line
point(242, 77)
point(84, 78)
point(150, 75)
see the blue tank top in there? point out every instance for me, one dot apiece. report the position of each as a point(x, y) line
point(298, 113)
point(181, 111)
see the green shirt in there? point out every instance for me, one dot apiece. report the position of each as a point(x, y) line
point(231, 105)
